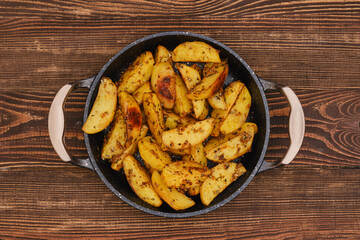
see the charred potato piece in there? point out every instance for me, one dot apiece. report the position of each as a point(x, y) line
point(140, 181)
point(118, 159)
point(171, 196)
point(210, 84)
point(152, 154)
point(163, 84)
point(195, 52)
point(162, 54)
point(191, 78)
point(238, 113)
point(235, 147)
point(183, 106)
point(154, 117)
point(190, 135)
point(206, 68)
point(184, 174)
point(138, 73)
point(221, 176)
point(132, 112)
point(115, 139)
point(139, 93)
point(103, 110)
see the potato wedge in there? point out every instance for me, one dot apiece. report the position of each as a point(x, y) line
point(152, 154)
point(115, 139)
point(231, 93)
point(210, 84)
point(179, 152)
point(171, 196)
point(132, 112)
point(235, 147)
point(217, 101)
point(173, 121)
point(198, 154)
point(162, 54)
point(205, 111)
point(215, 141)
point(184, 174)
point(221, 177)
point(195, 52)
point(118, 159)
point(192, 77)
point(206, 68)
point(183, 106)
point(196, 67)
point(238, 113)
point(190, 135)
point(219, 116)
point(154, 117)
point(194, 191)
point(138, 73)
point(103, 109)
point(139, 93)
point(140, 181)
point(163, 84)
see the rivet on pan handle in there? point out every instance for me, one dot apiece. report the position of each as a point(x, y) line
point(56, 123)
point(296, 125)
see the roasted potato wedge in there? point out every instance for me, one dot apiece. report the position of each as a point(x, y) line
point(206, 68)
point(196, 67)
point(163, 84)
point(218, 115)
point(217, 101)
point(190, 135)
point(205, 111)
point(183, 106)
point(184, 174)
point(179, 152)
point(171, 196)
point(198, 154)
point(115, 139)
point(235, 147)
point(133, 116)
point(195, 52)
point(103, 110)
point(210, 84)
point(173, 121)
point(221, 176)
point(139, 93)
point(238, 113)
point(154, 117)
point(191, 78)
point(162, 54)
point(138, 73)
point(152, 154)
point(118, 159)
point(215, 141)
point(231, 93)
point(140, 181)
point(194, 191)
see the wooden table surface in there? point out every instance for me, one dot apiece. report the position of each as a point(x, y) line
point(312, 46)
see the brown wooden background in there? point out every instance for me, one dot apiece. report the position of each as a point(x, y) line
point(312, 46)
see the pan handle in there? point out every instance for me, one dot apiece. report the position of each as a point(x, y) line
point(56, 123)
point(296, 125)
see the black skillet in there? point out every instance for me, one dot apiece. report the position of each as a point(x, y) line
point(238, 70)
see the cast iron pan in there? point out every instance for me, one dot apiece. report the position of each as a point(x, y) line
point(238, 70)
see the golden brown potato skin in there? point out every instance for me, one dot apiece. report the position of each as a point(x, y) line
point(195, 52)
point(138, 73)
point(103, 109)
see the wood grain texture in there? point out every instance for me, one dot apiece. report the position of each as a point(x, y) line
point(283, 50)
point(332, 135)
point(286, 203)
point(178, 9)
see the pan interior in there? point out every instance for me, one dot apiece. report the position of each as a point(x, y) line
point(238, 70)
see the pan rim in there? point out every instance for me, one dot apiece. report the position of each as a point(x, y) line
point(249, 178)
